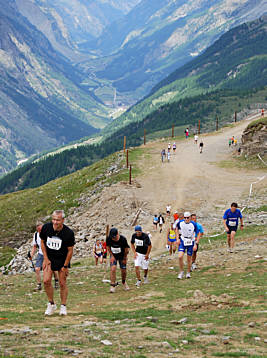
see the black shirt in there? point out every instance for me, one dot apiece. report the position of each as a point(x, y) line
point(118, 247)
point(57, 242)
point(141, 243)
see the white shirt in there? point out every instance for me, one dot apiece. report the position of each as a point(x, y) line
point(38, 243)
point(196, 137)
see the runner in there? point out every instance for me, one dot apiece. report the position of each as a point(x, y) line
point(233, 140)
point(201, 145)
point(187, 242)
point(98, 251)
point(197, 238)
point(186, 133)
point(230, 142)
point(172, 237)
point(118, 249)
point(104, 246)
point(175, 216)
point(168, 156)
point(168, 210)
point(36, 245)
point(196, 138)
point(155, 221)
point(163, 154)
point(57, 242)
point(174, 147)
point(141, 247)
point(230, 221)
point(169, 147)
point(161, 222)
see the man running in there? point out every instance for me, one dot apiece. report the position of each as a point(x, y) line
point(230, 221)
point(187, 243)
point(36, 246)
point(141, 247)
point(201, 145)
point(174, 147)
point(195, 138)
point(104, 246)
point(118, 249)
point(168, 210)
point(57, 242)
point(197, 238)
point(172, 237)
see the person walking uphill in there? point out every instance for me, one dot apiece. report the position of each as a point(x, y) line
point(230, 221)
point(118, 249)
point(57, 242)
point(141, 247)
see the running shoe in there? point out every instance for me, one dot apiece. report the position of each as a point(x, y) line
point(146, 279)
point(125, 286)
point(188, 275)
point(194, 266)
point(38, 287)
point(63, 310)
point(56, 285)
point(50, 309)
point(112, 289)
point(180, 275)
point(138, 283)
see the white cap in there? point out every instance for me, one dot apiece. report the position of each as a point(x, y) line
point(187, 214)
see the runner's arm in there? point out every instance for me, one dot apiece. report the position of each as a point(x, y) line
point(241, 223)
point(46, 261)
point(34, 248)
point(224, 223)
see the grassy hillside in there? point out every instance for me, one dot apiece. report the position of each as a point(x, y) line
point(19, 211)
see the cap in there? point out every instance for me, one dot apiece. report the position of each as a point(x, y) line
point(187, 214)
point(138, 228)
point(113, 232)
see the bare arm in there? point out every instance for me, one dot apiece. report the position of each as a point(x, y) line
point(34, 248)
point(46, 261)
point(133, 250)
point(224, 223)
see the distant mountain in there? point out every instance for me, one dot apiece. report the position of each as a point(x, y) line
point(156, 37)
point(68, 23)
point(42, 102)
point(238, 60)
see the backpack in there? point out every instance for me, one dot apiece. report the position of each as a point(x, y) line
point(35, 238)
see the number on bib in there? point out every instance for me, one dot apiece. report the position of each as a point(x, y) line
point(188, 242)
point(54, 243)
point(139, 242)
point(116, 250)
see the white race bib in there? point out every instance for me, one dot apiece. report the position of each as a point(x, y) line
point(116, 250)
point(139, 242)
point(187, 242)
point(232, 223)
point(54, 243)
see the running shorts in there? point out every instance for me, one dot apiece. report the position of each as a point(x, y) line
point(189, 249)
point(141, 261)
point(39, 260)
point(114, 263)
point(230, 229)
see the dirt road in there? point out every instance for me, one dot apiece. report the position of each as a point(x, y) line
point(192, 181)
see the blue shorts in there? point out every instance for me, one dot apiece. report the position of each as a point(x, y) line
point(122, 265)
point(189, 249)
point(39, 261)
point(230, 229)
point(171, 240)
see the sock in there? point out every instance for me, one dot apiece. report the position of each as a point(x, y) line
point(123, 281)
point(62, 304)
point(52, 302)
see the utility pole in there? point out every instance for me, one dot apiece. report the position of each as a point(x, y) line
point(144, 137)
point(235, 116)
point(124, 144)
point(127, 158)
point(130, 175)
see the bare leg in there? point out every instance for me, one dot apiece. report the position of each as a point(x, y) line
point(63, 287)
point(38, 274)
point(189, 263)
point(113, 274)
point(123, 275)
point(194, 256)
point(55, 275)
point(145, 272)
point(47, 276)
point(232, 240)
point(229, 240)
point(137, 271)
point(181, 260)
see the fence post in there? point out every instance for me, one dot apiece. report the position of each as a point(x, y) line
point(124, 144)
point(235, 116)
point(107, 231)
point(127, 158)
point(130, 175)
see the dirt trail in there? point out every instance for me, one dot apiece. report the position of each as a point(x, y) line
point(191, 181)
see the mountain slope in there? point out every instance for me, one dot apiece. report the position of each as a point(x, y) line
point(157, 37)
point(67, 23)
point(42, 103)
point(238, 60)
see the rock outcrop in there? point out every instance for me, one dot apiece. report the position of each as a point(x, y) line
point(254, 138)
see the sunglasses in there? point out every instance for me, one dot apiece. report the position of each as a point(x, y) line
point(186, 217)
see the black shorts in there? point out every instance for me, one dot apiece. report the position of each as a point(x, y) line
point(230, 229)
point(56, 265)
point(104, 255)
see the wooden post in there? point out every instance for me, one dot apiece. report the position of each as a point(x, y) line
point(127, 158)
point(107, 231)
point(124, 144)
point(172, 131)
point(217, 123)
point(199, 126)
point(235, 116)
point(144, 137)
point(130, 175)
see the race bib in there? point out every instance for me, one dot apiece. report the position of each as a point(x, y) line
point(187, 242)
point(54, 243)
point(116, 250)
point(139, 242)
point(232, 223)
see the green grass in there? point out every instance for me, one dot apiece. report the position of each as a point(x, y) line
point(257, 122)
point(241, 162)
point(6, 255)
